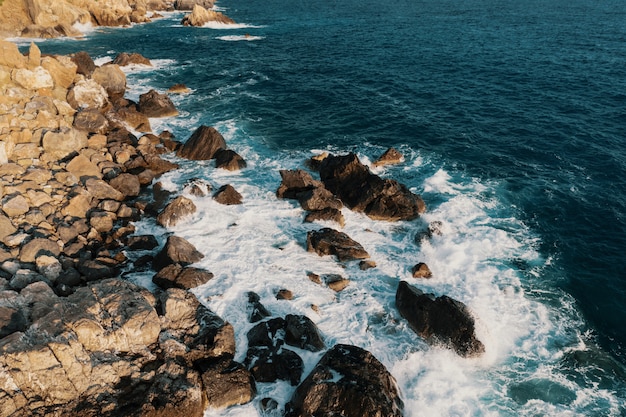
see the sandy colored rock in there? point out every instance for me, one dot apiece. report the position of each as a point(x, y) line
point(61, 69)
point(34, 79)
point(38, 247)
point(179, 209)
point(91, 121)
point(112, 78)
point(80, 166)
point(61, 143)
point(15, 206)
point(87, 94)
point(200, 16)
point(10, 56)
point(6, 227)
point(154, 104)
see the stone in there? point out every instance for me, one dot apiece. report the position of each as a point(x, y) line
point(380, 199)
point(153, 104)
point(49, 267)
point(176, 250)
point(38, 247)
point(295, 182)
point(175, 276)
point(127, 184)
point(197, 187)
point(10, 56)
point(439, 320)
point(23, 278)
point(14, 206)
point(229, 160)
point(133, 118)
point(202, 145)
point(301, 332)
point(179, 209)
point(142, 242)
point(102, 221)
point(365, 265)
point(35, 79)
point(91, 121)
point(94, 270)
point(270, 365)
point(421, 270)
point(348, 381)
point(327, 214)
point(227, 195)
point(328, 241)
point(86, 94)
point(179, 89)
point(256, 311)
point(78, 206)
point(284, 294)
point(124, 59)
point(84, 63)
point(101, 190)
point(12, 320)
point(69, 231)
point(6, 227)
point(390, 157)
point(336, 282)
point(319, 199)
point(226, 383)
point(61, 69)
point(81, 167)
point(189, 4)
point(112, 78)
point(63, 142)
point(200, 16)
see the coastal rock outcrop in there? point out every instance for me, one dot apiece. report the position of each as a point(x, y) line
point(440, 320)
point(154, 104)
point(203, 144)
point(348, 381)
point(200, 16)
point(329, 241)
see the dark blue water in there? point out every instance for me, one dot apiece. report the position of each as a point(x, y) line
point(528, 95)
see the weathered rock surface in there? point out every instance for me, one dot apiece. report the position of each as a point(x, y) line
point(421, 270)
point(200, 16)
point(203, 144)
point(295, 182)
point(176, 251)
point(112, 79)
point(154, 104)
point(362, 191)
point(179, 209)
point(329, 241)
point(229, 159)
point(227, 195)
point(123, 59)
point(189, 4)
point(256, 310)
point(390, 157)
point(440, 320)
point(327, 214)
point(176, 276)
point(348, 381)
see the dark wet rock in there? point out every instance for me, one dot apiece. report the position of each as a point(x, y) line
point(176, 276)
point(270, 365)
point(440, 320)
point(176, 251)
point(301, 332)
point(84, 63)
point(91, 121)
point(142, 242)
point(256, 310)
point(125, 58)
point(197, 187)
point(270, 333)
point(389, 157)
point(229, 159)
point(11, 320)
point(203, 144)
point(362, 191)
point(127, 184)
point(328, 214)
point(269, 407)
point(226, 194)
point(421, 270)
point(328, 241)
point(179, 209)
point(348, 381)
point(94, 270)
point(284, 294)
point(319, 199)
point(154, 104)
point(295, 182)
point(226, 383)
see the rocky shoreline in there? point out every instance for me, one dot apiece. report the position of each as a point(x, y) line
point(77, 339)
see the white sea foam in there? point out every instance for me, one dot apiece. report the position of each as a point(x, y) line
point(234, 38)
point(228, 26)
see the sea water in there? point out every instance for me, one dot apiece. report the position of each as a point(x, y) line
point(511, 119)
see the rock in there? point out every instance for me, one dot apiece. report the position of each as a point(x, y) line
point(142, 242)
point(91, 121)
point(153, 104)
point(61, 69)
point(189, 4)
point(127, 184)
point(256, 311)
point(226, 194)
point(14, 206)
point(270, 333)
point(295, 182)
point(389, 157)
point(202, 145)
point(87, 94)
point(229, 160)
point(82, 168)
point(421, 270)
point(6, 226)
point(197, 187)
point(38, 247)
point(78, 206)
point(319, 199)
point(200, 16)
point(10, 56)
point(365, 265)
point(60, 144)
point(102, 221)
point(125, 59)
point(179, 209)
point(102, 191)
point(441, 320)
point(176, 251)
point(23, 278)
point(112, 78)
point(226, 383)
point(284, 294)
point(336, 282)
point(270, 365)
point(84, 63)
point(327, 214)
point(348, 381)
point(179, 89)
point(94, 270)
point(434, 229)
point(12, 320)
point(134, 119)
point(360, 190)
point(175, 276)
point(301, 332)
point(35, 79)
point(49, 267)
point(328, 241)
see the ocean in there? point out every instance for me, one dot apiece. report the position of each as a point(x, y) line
point(511, 116)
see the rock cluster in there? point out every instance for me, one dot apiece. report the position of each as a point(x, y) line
point(200, 16)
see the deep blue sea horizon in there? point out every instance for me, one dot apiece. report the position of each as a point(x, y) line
point(527, 96)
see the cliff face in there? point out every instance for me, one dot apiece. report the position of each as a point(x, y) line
point(52, 18)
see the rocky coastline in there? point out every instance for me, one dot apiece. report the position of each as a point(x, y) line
point(79, 164)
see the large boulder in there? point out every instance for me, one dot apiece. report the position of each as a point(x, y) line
point(125, 59)
point(200, 16)
point(440, 320)
point(112, 79)
point(179, 209)
point(91, 121)
point(329, 241)
point(87, 94)
point(203, 144)
point(226, 383)
point(362, 191)
point(33, 79)
point(189, 4)
point(84, 63)
point(227, 195)
point(229, 160)
point(295, 182)
point(154, 104)
point(348, 381)
point(176, 251)
point(177, 276)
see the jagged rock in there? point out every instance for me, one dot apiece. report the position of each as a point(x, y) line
point(421, 270)
point(133, 118)
point(14, 206)
point(81, 167)
point(327, 214)
point(35, 79)
point(91, 121)
point(125, 59)
point(179, 89)
point(23, 278)
point(61, 69)
point(101, 190)
point(360, 190)
point(348, 381)
point(127, 184)
point(102, 221)
point(175, 276)
point(270, 333)
point(328, 241)
point(153, 104)
point(49, 267)
point(94, 270)
point(112, 78)
point(295, 182)
point(226, 383)
point(226, 194)
point(441, 320)
point(86, 94)
point(84, 63)
point(336, 282)
point(270, 365)
point(11, 320)
point(202, 145)
point(197, 187)
point(200, 16)
point(142, 242)
point(301, 332)
point(188, 4)
point(228, 159)
point(65, 141)
point(256, 310)
point(179, 209)
point(10, 55)
point(176, 250)
point(37, 247)
point(6, 226)
point(365, 265)
point(389, 157)
point(319, 199)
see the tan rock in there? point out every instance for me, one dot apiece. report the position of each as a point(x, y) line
point(38, 198)
point(35, 79)
point(6, 227)
point(26, 151)
point(101, 190)
point(78, 206)
point(10, 56)
point(38, 247)
point(81, 166)
point(15, 206)
point(112, 78)
point(34, 56)
point(97, 142)
point(102, 221)
point(62, 71)
point(87, 94)
point(63, 142)
point(200, 16)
